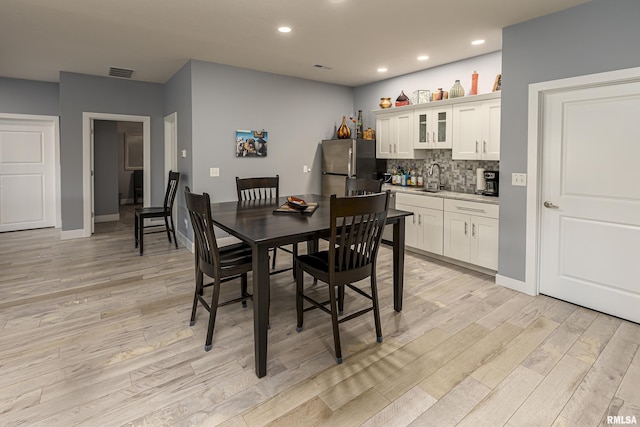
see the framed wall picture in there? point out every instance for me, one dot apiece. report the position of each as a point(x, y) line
point(133, 152)
point(251, 143)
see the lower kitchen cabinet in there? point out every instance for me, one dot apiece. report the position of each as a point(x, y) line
point(471, 232)
point(424, 229)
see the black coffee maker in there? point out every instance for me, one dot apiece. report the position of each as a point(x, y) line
point(491, 179)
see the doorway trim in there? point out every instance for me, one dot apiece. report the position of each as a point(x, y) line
point(537, 93)
point(87, 117)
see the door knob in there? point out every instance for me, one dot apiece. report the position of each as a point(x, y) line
point(550, 205)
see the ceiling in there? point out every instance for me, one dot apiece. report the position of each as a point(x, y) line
point(350, 38)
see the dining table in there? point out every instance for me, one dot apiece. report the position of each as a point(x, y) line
point(255, 223)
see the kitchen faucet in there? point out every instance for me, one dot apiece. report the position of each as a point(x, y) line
point(439, 186)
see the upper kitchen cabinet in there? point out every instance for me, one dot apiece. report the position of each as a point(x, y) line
point(394, 135)
point(476, 129)
point(432, 127)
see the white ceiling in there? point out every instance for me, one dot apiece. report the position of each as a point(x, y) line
point(157, 37)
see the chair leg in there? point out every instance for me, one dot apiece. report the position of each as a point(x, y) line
point(135, 229)
point(212, 315)
point(295, 254)
point(141, 234)
point(173, 230)
point(198, 291)
point(273, 260)
point(376, 307)
point(340, 299)
point(299, 299)
point(166, 225)
point(334, 321)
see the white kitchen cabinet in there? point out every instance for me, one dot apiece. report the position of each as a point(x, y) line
point(394, 136)
point(423, 230)
point(476, 130)
point(471, 232)
point(433, 127)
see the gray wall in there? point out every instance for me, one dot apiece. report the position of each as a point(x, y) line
point(82, 93)
point(297, 114)
point(177, 99)
point(599, 36)
point(105, 188)
point(28, 97)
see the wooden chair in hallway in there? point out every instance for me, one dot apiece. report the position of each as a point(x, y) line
point(264, 188)
point(220, 264)
point(357, 224)
point(164, 211)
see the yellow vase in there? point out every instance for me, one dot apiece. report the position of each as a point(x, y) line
point(343, 131)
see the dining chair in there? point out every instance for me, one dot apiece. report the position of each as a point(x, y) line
point(359, 186)
point(356, 187)
point(221, 264)
point(164, 211)
point(357, 224)
point(264, 188)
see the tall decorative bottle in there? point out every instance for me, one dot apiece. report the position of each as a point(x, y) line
point(359, 125)
point(474, 83)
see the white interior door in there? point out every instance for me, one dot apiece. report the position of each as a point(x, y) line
point(27, 175)
point(590, 225)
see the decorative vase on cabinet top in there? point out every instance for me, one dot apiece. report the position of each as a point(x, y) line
point(343, 131)
point(385, 102)
point(456, 90)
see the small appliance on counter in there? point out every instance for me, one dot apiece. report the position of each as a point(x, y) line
point(491, 179)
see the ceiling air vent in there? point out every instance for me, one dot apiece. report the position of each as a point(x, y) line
point(323, 67)
point(120, 72)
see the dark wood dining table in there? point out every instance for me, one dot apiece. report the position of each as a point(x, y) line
point(255, 223)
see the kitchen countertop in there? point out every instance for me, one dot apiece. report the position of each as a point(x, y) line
point(444, 194)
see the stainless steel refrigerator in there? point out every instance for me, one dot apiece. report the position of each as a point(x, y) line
point(342, 158)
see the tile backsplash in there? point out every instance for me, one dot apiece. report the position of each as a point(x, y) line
point(456, 175)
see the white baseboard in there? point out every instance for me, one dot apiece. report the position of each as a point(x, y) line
point(182, 239)
point(72, 234)
point(107, 218)
point(516, 285)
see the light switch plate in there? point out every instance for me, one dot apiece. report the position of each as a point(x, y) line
point(519, 179)
point(214, 171)
point(305, 169)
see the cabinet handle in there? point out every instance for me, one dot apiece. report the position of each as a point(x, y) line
point(395, 148)
point(476, 146)
point(428, 137)
point(414, 219)
point(473, 230)
point(465, 228)
point(484, 146)
point(434, 136)
point(390, 149)
point(464, 208)
point(419, 219)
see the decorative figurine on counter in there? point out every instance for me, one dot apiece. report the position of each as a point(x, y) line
point(385, 102)
point(343, 131)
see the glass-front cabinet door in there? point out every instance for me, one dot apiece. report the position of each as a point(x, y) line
point(433, 128)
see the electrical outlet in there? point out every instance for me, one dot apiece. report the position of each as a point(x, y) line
point(519, 179)
point(214, 171)
point(186, 223)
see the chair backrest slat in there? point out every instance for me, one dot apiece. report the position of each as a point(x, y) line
point(258, 188)
point(199, 207)
point(357, 223)
point(172, 189)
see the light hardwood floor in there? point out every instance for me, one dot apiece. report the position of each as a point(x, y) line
point(93, 334)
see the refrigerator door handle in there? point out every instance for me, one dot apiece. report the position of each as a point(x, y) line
point(350, 162)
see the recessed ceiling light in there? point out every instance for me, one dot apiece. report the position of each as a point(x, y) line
point(423, 58)
point(284, 29)
point(382, 70)
point(477, 42)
